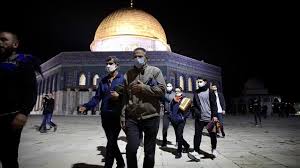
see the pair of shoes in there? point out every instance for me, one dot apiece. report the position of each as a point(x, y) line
point(214, 152)
point(178, 155)
point(186, 149)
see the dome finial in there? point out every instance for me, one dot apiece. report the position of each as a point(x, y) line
point(131, 3)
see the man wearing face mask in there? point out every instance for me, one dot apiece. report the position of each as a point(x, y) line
point(205, 109)
point(221, 106)
point(178, 119)
point(110, 91)
point(144, 87)
point(170, 94)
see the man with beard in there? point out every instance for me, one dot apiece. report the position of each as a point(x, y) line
point(18, 84)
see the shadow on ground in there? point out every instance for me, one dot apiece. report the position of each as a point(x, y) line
point(168, 149)
point(159, 142)
point(84, 165)
point(123, 138)
point(102, 150)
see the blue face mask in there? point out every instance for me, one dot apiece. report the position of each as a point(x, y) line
point(139, 62)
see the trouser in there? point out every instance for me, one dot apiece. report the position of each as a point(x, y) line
point(166, 123)
point(9, 143)
point(179, 136)
point(199, 125)
point(221, 119)
point(133, 130)
point(47, 119)
point(112, 129)
point(257, 115)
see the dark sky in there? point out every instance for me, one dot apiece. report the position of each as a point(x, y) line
point(247, 39)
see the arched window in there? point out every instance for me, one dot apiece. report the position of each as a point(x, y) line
point(190, 85)
point(181, 82)
point(82, 80)
point(95, 79)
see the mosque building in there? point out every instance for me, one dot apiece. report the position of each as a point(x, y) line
point(72, 77)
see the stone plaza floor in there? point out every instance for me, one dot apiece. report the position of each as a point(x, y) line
point(79, 142)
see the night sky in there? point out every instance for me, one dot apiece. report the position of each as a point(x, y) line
point(248, 39)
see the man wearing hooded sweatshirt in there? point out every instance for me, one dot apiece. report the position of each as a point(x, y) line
point(110, 91)
point(205, 109)
point(144, 87)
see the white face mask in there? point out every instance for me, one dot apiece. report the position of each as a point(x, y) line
point(178, 92)
point(111, 68)
point(139, 62)
point(169, 87)
point(201, 84)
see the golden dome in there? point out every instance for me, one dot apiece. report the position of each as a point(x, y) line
point(132, 24)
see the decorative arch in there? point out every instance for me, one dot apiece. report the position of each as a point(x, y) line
point(95, 79)
point(181, 82)
point(82, 80)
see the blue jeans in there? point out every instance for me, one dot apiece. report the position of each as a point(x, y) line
point(221, 119)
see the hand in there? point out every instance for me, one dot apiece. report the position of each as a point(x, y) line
point(19, 121)
point(137, 87)
point(82, 109)
point(215, 119)
point(223, 112)
point(114, 95)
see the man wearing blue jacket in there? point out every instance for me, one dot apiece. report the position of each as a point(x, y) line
point(19, 92)
point(110, 92)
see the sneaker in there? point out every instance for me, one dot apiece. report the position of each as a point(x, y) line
point(193, 157)
point(214, 152)
point(178, 155)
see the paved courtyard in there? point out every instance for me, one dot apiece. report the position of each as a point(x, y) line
point(80, 142)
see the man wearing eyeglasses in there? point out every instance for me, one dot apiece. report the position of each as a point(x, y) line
point(144, 87)
point(110, 91)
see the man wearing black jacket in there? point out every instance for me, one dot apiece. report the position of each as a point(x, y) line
point(19, 90)
point(205, 109)
point(221, 106)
